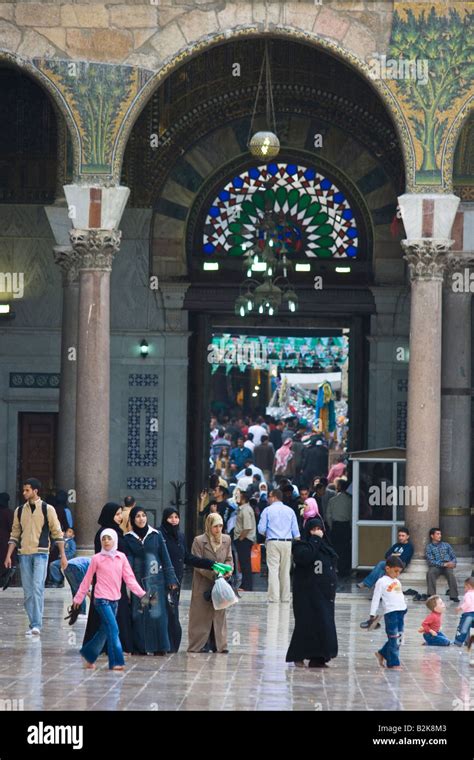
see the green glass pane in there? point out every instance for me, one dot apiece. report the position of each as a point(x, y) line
point(281, 195)
point(312, 210)
point(270, 197)
point(258, 200)
point(236, 250)
point(293, 197)
point(324, 242)
point(304, 202)
point(321, 218)
point(235, 227)
point(249, 208)
point(325, 229)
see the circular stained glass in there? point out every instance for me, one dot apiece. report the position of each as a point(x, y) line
point(312, 217)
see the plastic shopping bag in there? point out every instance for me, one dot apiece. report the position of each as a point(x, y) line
point(222, 595)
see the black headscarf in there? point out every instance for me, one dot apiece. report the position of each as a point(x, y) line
point(106, 519)
point(61, 499)
point(170, 531)
point(314, 522)
point(4, 500)
point(141, 532)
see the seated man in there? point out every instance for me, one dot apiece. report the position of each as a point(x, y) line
point(56, 579)
point(441, 561)
point(402, 549)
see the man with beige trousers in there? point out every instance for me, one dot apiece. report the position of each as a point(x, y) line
point(279, 525)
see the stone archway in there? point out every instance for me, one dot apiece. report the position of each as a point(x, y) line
point(305, 38)
point(60, 105)
point(449, 150)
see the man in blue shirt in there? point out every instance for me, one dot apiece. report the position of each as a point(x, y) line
point(441, 561)
point(240, 455)
point(279, 525)
point(402, 549)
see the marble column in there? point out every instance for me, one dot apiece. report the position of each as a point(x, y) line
point(67, 261)
point(426, 262)
point(455, 474)
point(96, 249)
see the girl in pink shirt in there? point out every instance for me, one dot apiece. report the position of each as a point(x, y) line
point(110, 567)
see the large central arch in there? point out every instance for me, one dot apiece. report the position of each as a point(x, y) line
point(334, 49)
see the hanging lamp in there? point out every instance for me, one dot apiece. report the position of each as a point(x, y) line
point(265, 143)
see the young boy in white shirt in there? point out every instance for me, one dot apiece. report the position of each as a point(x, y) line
point(388, 590)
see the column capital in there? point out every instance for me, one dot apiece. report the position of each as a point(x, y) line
point(67, 260)
point(95, 248)
point(426, 257)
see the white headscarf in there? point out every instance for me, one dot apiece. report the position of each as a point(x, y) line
point(113, 535)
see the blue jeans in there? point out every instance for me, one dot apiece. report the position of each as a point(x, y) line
point(55, 573)
point(394, 624)
point(34, 568)
point(440, 640)
point(74, 573)
point(465, 622)
point(374, 575)
point(108, 632)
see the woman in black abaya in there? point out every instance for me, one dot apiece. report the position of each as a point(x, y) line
point(111, 517)
point(314, 592)
point(179, 555)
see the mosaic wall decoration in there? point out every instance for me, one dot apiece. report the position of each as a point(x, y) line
point(99, 96)
point(34, 380)
point(439, 39)
point(142, 381)
point(314, 217)
point(142, 441)
point(402, 423)
point(141, 484)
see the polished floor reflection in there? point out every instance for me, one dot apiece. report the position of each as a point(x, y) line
point(47, 674)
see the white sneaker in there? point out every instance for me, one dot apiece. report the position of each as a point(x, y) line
point(35, 631)
point(29, 632)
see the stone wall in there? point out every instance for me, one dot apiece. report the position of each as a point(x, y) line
point(146, 32)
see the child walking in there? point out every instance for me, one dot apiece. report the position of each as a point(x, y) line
point(431, 625)
point(111, 567)
point(467, 608)
point(388, 589)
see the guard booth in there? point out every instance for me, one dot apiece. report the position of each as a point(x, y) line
point(378, 504)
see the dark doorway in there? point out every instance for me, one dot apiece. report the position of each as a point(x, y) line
point(37, 449)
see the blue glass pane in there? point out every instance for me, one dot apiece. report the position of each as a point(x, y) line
point(326, 184)
point(351, 250)
point(352, 232)
point(310, 174)
point(254, 173)
point(291, 169)
point(214, 211)
point(347, 214)
point(209, 248)
point(238, 182)
point(339, 197)
point(272, 169)
point(224, 195)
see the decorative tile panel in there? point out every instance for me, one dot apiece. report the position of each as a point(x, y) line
point(142, 443)
point(141, 484)
point(402, 423)
point(142, 381)
point(402, 385)
point(34, 380)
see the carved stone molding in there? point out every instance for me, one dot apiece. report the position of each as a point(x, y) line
point(426, 257)
point(95, 248)
point(67, 260)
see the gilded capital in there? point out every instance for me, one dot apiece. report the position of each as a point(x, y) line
point(426, 257)
point(95, 248)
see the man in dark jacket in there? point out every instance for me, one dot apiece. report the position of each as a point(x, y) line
point(314, 461)
point(263, 456)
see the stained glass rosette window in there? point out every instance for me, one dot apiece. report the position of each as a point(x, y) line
point(313, 217)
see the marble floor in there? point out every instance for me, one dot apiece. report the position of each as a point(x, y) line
point(47, 674)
